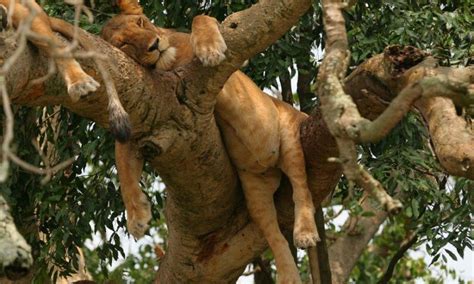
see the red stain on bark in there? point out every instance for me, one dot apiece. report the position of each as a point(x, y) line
point(211, 247)
point(34, 92)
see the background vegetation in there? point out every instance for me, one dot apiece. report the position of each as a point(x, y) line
point(85, 198)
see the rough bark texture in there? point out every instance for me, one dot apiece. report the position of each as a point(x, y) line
point(15, 253)
point(210, 236)
point(176, 129)
point(377, 81)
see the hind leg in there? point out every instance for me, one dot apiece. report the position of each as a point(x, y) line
point(77, 81)
point(259, 190)
point(292, 163)
point(129, 169)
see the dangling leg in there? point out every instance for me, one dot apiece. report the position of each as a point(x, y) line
point(292, 164)
point(77, 81)
point(129, 169)
point(259, 190)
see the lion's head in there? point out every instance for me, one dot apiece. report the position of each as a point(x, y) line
point(134, 34)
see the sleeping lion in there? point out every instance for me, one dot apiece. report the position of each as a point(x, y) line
point(259, 163)
point(78, 82)
point(261, 150)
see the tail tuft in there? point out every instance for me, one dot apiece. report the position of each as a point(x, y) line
point(120, 125)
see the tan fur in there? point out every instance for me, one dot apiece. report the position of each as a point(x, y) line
point(77, 81)
point(261, 135)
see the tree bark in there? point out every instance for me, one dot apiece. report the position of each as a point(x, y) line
point(15, 253)
point(210, 236)
point(203, 196)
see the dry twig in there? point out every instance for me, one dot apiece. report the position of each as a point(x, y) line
point(24, 32)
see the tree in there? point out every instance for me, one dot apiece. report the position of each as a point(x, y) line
point(210, 237)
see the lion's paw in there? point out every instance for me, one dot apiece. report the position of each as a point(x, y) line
point(306, 240)
point(82, 87)
point(137, 219)
point(305, 236)
point(210, 52)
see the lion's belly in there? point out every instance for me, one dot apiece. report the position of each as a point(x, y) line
point(249, 123)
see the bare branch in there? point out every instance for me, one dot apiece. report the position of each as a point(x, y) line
point(409, 241)
point(435, 86)
point(339, 111)
point(324, 267)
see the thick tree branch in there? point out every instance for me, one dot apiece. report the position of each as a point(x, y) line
point(372, 87)
point(452, 138)
point(318, 257)
point(15, 253)
point(247, 33)
point(338, 109)
point(174, 125)
point(433, 86)
point(176, 131)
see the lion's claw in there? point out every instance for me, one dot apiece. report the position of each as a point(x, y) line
point(306, 240)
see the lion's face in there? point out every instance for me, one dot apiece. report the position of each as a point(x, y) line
point(140, 39)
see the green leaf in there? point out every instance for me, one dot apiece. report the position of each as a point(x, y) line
point(451, 254)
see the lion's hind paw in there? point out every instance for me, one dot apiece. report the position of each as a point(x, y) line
point(137, 219)
point(307, 237)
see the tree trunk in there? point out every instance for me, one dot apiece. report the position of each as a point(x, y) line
point(15, 253)
point(211, 238)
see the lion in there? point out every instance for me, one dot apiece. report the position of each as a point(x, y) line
point(260, 151)
point(78, 82)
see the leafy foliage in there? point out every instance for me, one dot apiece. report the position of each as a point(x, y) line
point(57, 216)
point(60, 215)
point(443, 27)
point(437, 208)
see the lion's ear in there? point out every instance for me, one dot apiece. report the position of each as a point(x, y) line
point(130, 7)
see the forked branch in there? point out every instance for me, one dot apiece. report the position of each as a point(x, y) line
point(343, 118)
point(339, 111)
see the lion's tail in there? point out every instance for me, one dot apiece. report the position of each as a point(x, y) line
point(119, 121)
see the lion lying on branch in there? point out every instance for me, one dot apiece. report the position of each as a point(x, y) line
point(261, 133)
point(38, 27)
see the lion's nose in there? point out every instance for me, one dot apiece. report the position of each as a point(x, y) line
point(154, 45)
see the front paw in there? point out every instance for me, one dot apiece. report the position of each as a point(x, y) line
point(305, 233)
point(305, 239)
point(209, 50)
point(138, 218)
point(82, 87)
